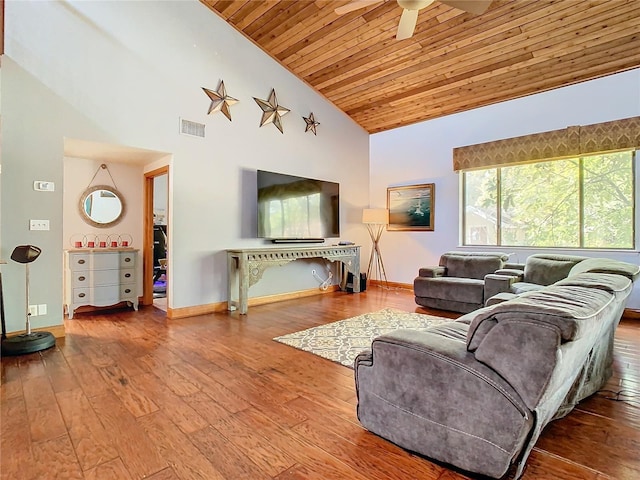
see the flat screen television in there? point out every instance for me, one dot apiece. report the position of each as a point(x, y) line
point(297, 209)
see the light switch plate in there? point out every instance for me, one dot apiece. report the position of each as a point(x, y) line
point(43, 186)
point(38, 224)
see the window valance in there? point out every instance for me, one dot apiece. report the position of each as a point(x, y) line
point(567, 142)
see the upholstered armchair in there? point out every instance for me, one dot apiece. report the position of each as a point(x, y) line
point(457, 283)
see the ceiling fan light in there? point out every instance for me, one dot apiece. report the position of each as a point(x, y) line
point(414, 4)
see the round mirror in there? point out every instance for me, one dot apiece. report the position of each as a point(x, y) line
point(102, 206)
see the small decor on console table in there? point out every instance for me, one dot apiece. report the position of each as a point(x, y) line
point(125, 240)
point(78, 240)
point(90, 240)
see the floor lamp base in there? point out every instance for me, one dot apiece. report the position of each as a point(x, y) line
point(27, 343)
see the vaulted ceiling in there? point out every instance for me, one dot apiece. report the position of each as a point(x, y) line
point(455, 61)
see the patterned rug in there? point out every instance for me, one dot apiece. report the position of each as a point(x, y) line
point(342, 341)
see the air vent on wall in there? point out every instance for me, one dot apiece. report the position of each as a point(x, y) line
point(195, 129)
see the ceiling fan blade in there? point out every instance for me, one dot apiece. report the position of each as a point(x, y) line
point(477, 7)
point(407, 24)
point(355, 5)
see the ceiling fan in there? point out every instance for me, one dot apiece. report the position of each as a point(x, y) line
point(411, 8)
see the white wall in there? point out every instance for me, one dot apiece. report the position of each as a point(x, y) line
point(124, 73)
point(422, 153)
point(128, 179)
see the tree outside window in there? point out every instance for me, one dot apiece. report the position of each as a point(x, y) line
point(585, 202)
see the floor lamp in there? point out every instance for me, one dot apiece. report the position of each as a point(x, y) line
point(28, 342)
point(376, 219)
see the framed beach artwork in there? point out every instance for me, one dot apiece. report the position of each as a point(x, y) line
point(411, 207)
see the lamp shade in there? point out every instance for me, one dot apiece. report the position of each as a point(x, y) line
point(25, 253)
point(378, 216)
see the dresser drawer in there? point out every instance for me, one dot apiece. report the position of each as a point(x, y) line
point(102, 296)
point(81, 295)
point(127, 275)
point(105, 261)
point(100, 278)
point(128, 259)
point(127, 292)
point(79, 261)
point(80, 278)
point(99, 296)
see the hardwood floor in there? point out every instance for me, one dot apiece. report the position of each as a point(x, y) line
point(130, 395)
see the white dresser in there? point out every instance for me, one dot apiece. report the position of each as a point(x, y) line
point(100, 278)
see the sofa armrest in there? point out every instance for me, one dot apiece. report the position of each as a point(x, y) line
point(432, 272)
point(514, 266)
point(425, 392)
point(498, 283)
point(512, 272)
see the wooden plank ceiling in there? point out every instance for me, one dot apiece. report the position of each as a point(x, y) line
point(454, 62)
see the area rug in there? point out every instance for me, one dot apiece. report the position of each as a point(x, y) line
point(341, 341)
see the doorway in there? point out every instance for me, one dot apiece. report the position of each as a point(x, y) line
point(156, 252)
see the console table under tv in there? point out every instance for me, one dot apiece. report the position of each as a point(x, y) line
point(246, 266)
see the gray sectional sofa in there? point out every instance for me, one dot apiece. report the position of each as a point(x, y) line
point(477, 392)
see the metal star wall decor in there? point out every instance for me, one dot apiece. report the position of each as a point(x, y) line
point(311, 124)
point(220, 101)
point(271, 111)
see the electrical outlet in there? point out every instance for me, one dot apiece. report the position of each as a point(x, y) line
point(42, 309)
point(38, 224)
point(33, 310)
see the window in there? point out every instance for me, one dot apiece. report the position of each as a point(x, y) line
point(585, 202)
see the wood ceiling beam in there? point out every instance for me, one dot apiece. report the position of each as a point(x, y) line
point(507, 87)
point(273, 23)
point(456, 57)
point(506, 83)
point(297, 33)
point(370, 59)
point(226, 8)
point(511, 79)
point(572, 41)
point(296, 27)
point(251, 12)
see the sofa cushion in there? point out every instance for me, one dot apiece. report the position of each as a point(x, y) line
point(471, 266)
point(499, 298)
point(605, 265)
point(519, 288)
point(602, 281)
point(468, 290)
point(526, 338)
point(547, 270)
point(566, 307)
